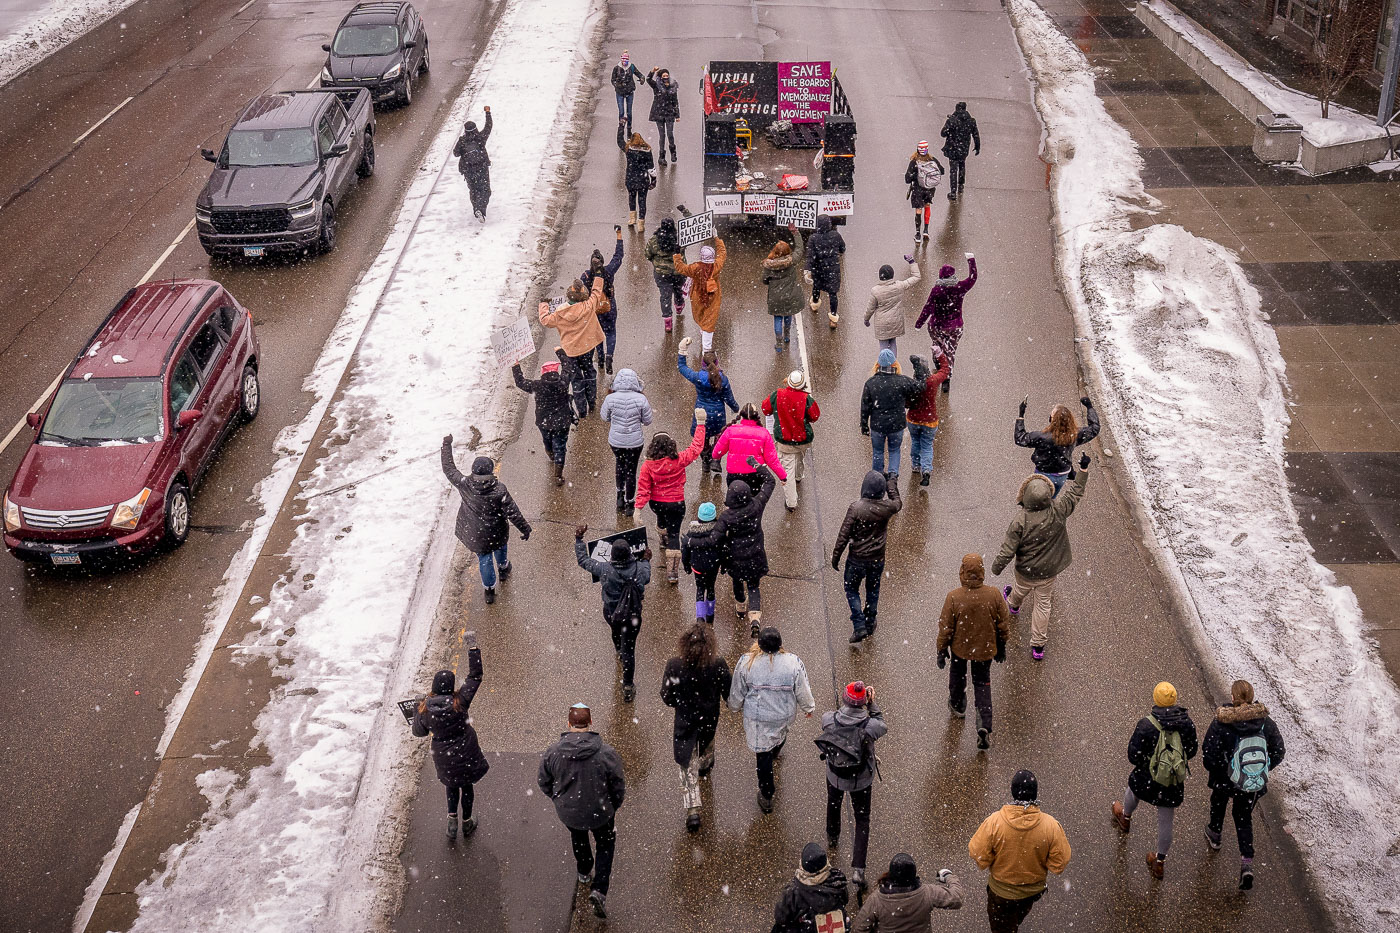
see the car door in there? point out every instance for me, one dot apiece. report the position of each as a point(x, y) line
point(209, 353)
point(183, 395)
point(409, 30)
point(332, 166)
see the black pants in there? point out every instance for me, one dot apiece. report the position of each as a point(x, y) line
point(637, 201)
point(605, 837)
point(583, 383)
point(981, 687)
point(624, 638)
point(669, 516)
point(608, 321)
point(467, 796)
point(766, 787)
point(860, 803)
point(754, 481)
point(555, 443)
point(705, 585)
point(869, 572)
point(747, 589)
point(1006, 916)
point(625, 470)
point(1241, 809)
point(816, 293)
point(479, 188)
point(669, 288)
point(663, 130)
point(957, 173)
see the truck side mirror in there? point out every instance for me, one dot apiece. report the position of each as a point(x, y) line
point(410, 44)
point(34, 419)
point(325, 46)
point(209, 155)
point(339, 149)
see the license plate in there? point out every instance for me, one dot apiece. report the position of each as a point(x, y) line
point(254, 251)
point(65, 560)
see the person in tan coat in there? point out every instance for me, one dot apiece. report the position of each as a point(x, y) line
point(973, 627)
point(579, 335)
point(1020, 844)
point(705, 292)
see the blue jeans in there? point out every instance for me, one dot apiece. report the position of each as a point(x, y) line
point(488, 562)
point(624, 108)
point(868, 571)
point(921, 446)
point(782, 328)
point(878, 442)
point(1057, 478)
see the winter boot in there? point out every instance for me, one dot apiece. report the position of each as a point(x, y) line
point(700, 610)
point(666, 322)
point(1246, 874)
point(815, 303)
point(631, 218)
point(607, 363)
point(925, 232)
point(641, 225)
point(952, 194)
point(468, 827)
point(916, 229)
point(1213, 839)
point(1157, 865)
point(599, 901)
point(755, 622)
point(673, 154)
point(858, 879)
point(505, 570)
point(490, 595)
point(955, 709)
point(1037, 652)
point(984, 738)
point(558, 474)
point(1006, 595)
point(1123, 821)
point(692, 820)
point(673, 566)
point(622, 500)
point(629, 692)
point(857, 636)
point(710, 611)
point(741, 608)
point(833, 319)
point(923, 479)
point(765, 803)
point(451, 826)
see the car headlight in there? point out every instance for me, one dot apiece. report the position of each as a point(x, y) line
point(304, 210)
point(326, 75)
point(203, 215)
point(11, 514)
point(394, 72)
point(128, 513)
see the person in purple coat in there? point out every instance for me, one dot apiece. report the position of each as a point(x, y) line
point(943, 311)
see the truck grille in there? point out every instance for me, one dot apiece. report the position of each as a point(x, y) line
point(267, 220)
point(65, 520)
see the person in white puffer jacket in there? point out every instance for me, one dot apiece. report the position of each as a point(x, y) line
point(770, 686)
point(627, 411)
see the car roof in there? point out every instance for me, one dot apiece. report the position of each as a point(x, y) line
point(283, 110)
point(143, 328)
point(375, 11)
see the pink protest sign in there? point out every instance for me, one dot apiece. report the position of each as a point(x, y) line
point(804, 91)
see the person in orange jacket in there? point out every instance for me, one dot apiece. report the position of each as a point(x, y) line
point(580, 333)
point(705, 293)
point(1019, 844)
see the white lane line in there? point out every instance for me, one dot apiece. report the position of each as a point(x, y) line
point(244, 7)
point(155, 266)
point(109, 116)
point(109, 862)
point(315, 82)
point(23, 422)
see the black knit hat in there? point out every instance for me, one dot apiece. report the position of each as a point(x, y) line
point(444, 682)
point(903, 871)
point(886, 273)
point(1024, 786)
point(813, 857)
point(482, 466)
point(621, 551)
point(769, 639)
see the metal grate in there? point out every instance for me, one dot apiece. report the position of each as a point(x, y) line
point(269, 220)
point(65, 520)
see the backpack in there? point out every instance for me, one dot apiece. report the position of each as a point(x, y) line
point(629, 604)
point(845, 749)
point(1249, 765)
point(929, 174)
point(1167, 765)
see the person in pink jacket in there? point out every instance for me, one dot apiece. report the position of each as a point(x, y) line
point(748, 438)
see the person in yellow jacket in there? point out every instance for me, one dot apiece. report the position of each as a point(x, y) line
point(1019, 844)
point(579, 335)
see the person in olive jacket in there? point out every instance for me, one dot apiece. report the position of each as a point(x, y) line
point(1156, 727)
point(474, 163)
point(554, 408)
point(457, 756)
point(863, 529)
point(818, 890)
point(665, 110)
point(483, 515)
point(785, 294)
point(695, 684)
point(974, 627)
point(1243, 721)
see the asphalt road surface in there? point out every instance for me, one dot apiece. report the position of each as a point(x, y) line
point(91, 660)
point(1114, 635)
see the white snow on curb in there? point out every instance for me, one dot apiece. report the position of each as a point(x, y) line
point(272, 855)
point(50, 27)
point(1191, 379)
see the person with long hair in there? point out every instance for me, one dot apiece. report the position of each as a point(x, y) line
point(665, 109)
point(747, 438)
point(705, 292)
point(923, 414)
point(1053, 448)
point(661, 252)
point(769, 685)
point(943, 311)
point(638, 177)
point(712, 393)
point(580, 333)
point(457, 756)
point(661, 484)
point(694, 684)
point(627, 411)
point(785, 297)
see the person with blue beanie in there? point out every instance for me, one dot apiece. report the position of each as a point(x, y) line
point(883, 403)
point(700, 555)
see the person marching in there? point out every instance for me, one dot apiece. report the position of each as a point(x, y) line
point(824, 251)
point(943, 310)
point(701, 556)
point(1019, 844)
point(482, 516)
point(554, 409)
point(579, 334)
point(606, 319)
point(583, 775)
point(661, 251)
point(1162, 744)
point(784, 286)
point(625, 77)
point(959, 130)
point(661, 485)
point(886, 304)
point(474, 164)
point(665, 109)
point(712, 393)
point(1052, 448)
point(743, 442)
point(1241, 747)
point(627, 411)
point(903, 903)
point(705, 292)
point(864, 528)
point(457, 756)
point(739, 531)
point(922, 176)
point(770, 685)
point(847, 744)
point(886, 397)
point(695, 684)
point(923, 414)
point(638, 179)
point(624, 580)
point(815, 900)
point(974, 627)
point(794, 411)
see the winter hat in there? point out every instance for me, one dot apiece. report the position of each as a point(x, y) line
point(706, 512)
point(444, 682)
point(1241, 692)
point(855, 693)
point(813, 857)
point(1164, 694)
point(577, 292)
point(886, 272)
point(707, 254)
point(596, 260)
point(1024, 787)
point(482, 466)
point(621, 550)
point(469, 126)
point(580, 715)
point(797, 379)
point(947, 272)
point(886, 358)
point(923, 147)
point(903, 871)
point(769, 639)
point(550, 368)
point(962, 105)
point(626, 58)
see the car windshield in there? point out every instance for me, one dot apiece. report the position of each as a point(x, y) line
point(92, 412)
point(270, 147)
point(366, 40)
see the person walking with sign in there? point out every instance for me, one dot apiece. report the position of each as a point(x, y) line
point(794, 411)
point(943, 311)
point(695, 684)
point(815, 900)
point(606, 319)
point(886, 306)
point(780, 274)
point(482, 516)
point(625, 78)
point(661, 251)
point(959, 132)
point(554, 410)
point(864, 530)
point(661, 484)
point(923, 414)
point(1241, 747)
point(847, 745)
point(1161, 747)
point(922, 176)
point(712, 393)
point(579, 335)
point(457, 756)
point(638, 179)
point(824, 251)
point(624, 580)
point(973, 628)
point(705, 293)
point(474, 164)
point(770, 686)
point(665, 110)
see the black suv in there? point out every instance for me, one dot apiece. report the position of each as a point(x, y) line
point(381, 46)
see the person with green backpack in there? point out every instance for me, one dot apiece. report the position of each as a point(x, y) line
point(1241, 747)
point(1161, 747)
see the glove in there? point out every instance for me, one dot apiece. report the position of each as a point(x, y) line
point(646, 555)
point(751, 461)
point(968, 255)
point(469, 639)
point(909, 258)
point(938, 353)
point(942, 660)
point(580, 531)
point(701, 415)
point(835, 561)
point(1083, 461)
point(865, 430)
point(1021, 409)
point(684, 345)
point(807, 276)
point(1000, 656)
point(1085, 402)
point(867, 323)
point(637, 515)
point(944, 874)
point(559, 352)
point(447, 440)
point(525, 535)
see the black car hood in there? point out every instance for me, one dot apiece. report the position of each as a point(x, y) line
point(361, 67)
point(267, 185)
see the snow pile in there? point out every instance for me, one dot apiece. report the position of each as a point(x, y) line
point(48, 28)
point(281, 851)
point(1343, 125)
point(1191, 378)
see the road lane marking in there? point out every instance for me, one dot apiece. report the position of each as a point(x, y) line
point(244, 7)
point(155, 266)
point(110, 114)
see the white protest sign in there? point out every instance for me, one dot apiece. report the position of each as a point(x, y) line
point(801, 212)
point(838, 205)
point(761, 204)
point(724, 203)
point(696, 228)
point(512, 344)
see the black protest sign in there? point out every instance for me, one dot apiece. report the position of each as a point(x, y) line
point(409, 708)
point(601, 548)
point(747, 89)
point(696, 228)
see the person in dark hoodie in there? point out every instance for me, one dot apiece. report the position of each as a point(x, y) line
point(701, 557)
point(624, 580)
point(457, 756)
point(661, 252)
point(554, 408)
point(959, 134)
point(863, 529)
point(582, 774)
point(483, 515)
point(974, 627)
point(943, 311)
point(815, 900)
point(856, 725)
point(625, 78)
point(1052, 448)
point(739, 533)
point(1241, 747)
point(886, 398)
point(825, 248)
point(1162, 744)
point(904, 903)
point(637, 179)
point(606, 319)
point(665, 109)
point(694, 684)
point(475, 164)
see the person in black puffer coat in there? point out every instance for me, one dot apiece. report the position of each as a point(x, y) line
point(1052, 449)
point(475, 164)
point(606, 319)
point(739, 530)
point(1243, 720)
point(619, 573)
point(818, 889)
point(457, 754)
point(483, 515)
point(959, 131)
point(665, 109)
point(701, 556)
point(1166, 718)
point(824, 251)
point(554, 410)
point(695, 683)
point(638, 178)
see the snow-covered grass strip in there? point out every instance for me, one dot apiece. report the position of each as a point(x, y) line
point(1193, 385)
point(48, 27)
point(273, 855)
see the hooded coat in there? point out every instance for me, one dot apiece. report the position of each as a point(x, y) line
point(577, 323)
point(893, 908)
point(1144, 743)
point(824, 251)
point(945, 300)
point(975, 622)
point(1231, 724)
point(745, 439)
point(1037, 537)
point(640, 162)
point(701, 551)
point(485, 509)
point(457, 755)
point(614, 574)
point(662, 247)
point(705, 291)
point(470, 149)
point(885, 310)
point(960, 133)
point(884, 401)
point(663, 479)
point(807, 896)
point(713, 400)
point(780, 274)
point(1046, 455)
point(770, 689)
point(608, 271)
point(919, 196)
point(739, 528)
point(583, 776)
point(696, 696)
point(1019, 844)
point(624, 79)
point(867, 518)
point(666, 102)
point(872, 721)
point(924, 411)
point(553, 407)
point(626, 410)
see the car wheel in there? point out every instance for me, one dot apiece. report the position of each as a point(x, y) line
point(366, 166)
point(249, 393)
point(425, 67)
point(177, 515)
point(406, 92)
point(325, 242)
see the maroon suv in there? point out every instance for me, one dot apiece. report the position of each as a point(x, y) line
point(133, 426)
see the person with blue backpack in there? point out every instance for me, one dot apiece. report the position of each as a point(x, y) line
point(1161, 747)
point(1241, 747)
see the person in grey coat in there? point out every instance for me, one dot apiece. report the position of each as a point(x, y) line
point(481, 518)
point(860, 717)
point(770, 686)
point(627, 411)
point(885, 312)
point(583, 776)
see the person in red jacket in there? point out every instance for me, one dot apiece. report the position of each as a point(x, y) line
point(923, 414)
point(662, 483)
point(795, 410)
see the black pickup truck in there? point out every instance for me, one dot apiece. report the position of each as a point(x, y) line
point(288, 161)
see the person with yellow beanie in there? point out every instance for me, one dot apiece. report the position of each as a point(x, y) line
point(1162, 744)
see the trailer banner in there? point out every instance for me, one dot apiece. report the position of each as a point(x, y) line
point(804, 91)
point(745, 89)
